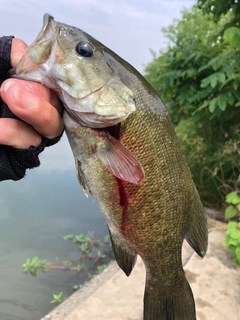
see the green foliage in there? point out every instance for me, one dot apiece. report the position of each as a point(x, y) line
point(232, 37)
point(102, 267)
point(85, 242)
point(233, 240)
point(77, 287)
point(58, 298)
point(198, 77)
point(222, 7)
point(232, 211)
point(32, 265)
point(92, 258)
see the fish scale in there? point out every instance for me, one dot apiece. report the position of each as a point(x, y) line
point(127, 158)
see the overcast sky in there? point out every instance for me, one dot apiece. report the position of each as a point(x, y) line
point(128, 27)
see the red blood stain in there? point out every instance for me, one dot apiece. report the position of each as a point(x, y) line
point(114, 131)
point(100, 134)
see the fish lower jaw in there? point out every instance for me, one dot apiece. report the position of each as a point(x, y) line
point(96, 121)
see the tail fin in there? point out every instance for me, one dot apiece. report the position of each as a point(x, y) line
point(175, 303)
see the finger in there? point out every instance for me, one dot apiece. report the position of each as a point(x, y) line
point(17, 51)
point(34, 110)
point(18, 134)
point(36, 89)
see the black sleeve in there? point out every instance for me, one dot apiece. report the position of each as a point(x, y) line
point(14, 162)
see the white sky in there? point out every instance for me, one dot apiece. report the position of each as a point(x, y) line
point(128, 27)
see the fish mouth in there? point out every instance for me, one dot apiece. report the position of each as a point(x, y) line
point(47, 23)
point(37, 53)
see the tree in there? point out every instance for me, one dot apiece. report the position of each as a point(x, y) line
point(222, 7)
point(198, 79)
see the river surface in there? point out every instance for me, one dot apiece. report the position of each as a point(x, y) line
point(35, 213)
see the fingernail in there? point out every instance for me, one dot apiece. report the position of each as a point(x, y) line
point(6, 85)
point(24, 99)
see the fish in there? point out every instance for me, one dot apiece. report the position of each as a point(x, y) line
point(127, 157)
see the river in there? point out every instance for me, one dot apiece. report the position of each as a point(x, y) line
point(36, 212)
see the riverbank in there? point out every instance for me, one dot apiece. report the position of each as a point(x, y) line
point(113, 296)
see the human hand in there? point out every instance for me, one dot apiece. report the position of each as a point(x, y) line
point(37, 106)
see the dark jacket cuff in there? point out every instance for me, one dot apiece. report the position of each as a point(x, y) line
point(14, 162)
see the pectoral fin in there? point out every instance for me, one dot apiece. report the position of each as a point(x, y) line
point(125, 257)
point(119, 160)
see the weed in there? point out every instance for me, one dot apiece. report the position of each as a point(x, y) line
point(92, 253)
point(232, 239)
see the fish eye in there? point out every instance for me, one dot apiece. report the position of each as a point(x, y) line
point(84, 49)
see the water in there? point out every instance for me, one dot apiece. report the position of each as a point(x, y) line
point(35, 214)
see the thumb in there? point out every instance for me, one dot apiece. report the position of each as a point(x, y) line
point(18, 49)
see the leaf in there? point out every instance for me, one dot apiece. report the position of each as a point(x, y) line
point(205, 82)
point(224, 83)
point(235, 85)
point(212, 105)
point(231, 196)
point(231, 248)
point(230, 212)
point(236, 200)
point(230, 99)
point(222, 102)
point(221, 77)
point(232, 35)
point(237, 252)
point(232, 225)
point(214, 82)
point(235, 234)
point(203, 106)
point(233, 242)
point(226, 240)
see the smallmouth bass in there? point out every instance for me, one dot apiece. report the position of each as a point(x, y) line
point(127, 157)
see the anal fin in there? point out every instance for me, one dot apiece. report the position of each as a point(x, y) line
point(125, 257)
point(197, 234)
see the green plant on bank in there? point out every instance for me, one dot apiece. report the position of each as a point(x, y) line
point(232, 211)
point(91, 251)
point(99, 270)
point(31, 266)
point(198, 77)
point(85, 242)
point(58, 298)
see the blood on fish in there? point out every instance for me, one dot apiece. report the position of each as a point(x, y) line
point(94, 149)
point(100, 133)
point(114, 131)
